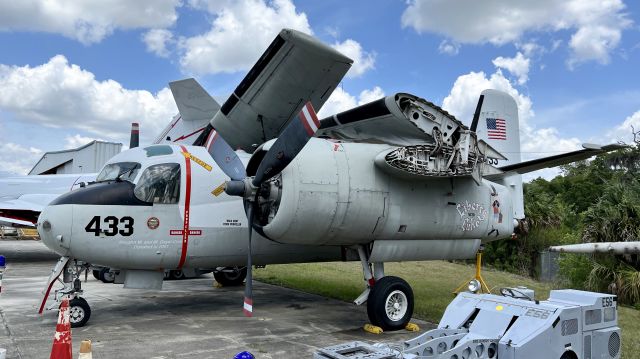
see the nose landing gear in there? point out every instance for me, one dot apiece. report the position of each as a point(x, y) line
point(79, 309)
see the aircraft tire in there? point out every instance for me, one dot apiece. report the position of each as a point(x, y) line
point(390, 303)
point(79, 312)
point(96, 274)
point(105, 276)
point(228, 279)
point(176, 274)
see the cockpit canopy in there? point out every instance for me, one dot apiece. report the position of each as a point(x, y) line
point(159, 183)
point(126, 171)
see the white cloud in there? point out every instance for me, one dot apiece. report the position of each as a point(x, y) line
point(78, 140)
point(449, 47)
point(362, 60)
point(242, 30)
point(18, 159)
point(367, 96)
point(340, 100)
point(597, 25)
point(59, 94)
point(518, 66)
point(623, 133)
point(86, 21)
point(463, 97)
point(593, 43)
point(535, 142)
point(239, 34)
point(157, 41)
point(530, 49)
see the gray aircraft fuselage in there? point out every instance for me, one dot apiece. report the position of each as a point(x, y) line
point(333, 196)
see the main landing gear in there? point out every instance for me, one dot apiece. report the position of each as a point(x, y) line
point(389, 299)
point(230, 276)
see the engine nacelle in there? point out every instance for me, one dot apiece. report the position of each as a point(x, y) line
point(334, 194)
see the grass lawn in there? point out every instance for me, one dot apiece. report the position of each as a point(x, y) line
point(432, 284)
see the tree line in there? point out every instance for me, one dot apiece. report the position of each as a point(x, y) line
point(592, 201)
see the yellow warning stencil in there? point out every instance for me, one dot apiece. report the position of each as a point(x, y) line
point(195, 159)
point(218, 190)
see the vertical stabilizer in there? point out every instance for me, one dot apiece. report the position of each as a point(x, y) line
point(498, 125)
point(193, 101)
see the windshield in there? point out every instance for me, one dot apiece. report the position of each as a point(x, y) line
point(126, 170)
point(159, 184)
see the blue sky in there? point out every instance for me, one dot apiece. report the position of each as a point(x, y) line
point(71, 72)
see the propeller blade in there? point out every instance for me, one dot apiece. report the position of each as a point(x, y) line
point(248, 289)
point(288, 145)
point(134, 140)
point(225, 156)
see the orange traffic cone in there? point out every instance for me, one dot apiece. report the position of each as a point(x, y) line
point(62, 340)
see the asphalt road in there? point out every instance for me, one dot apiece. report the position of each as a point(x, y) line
point(187, 319)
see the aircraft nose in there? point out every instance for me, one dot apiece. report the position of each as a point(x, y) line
point(54, 227)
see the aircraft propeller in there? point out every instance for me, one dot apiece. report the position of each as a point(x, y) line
point(289, 143)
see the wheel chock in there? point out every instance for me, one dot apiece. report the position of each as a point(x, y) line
point(373, 329)
point(217, 285)
point(412, 327)
point(85, 349)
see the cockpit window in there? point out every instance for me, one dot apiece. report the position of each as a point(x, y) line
point(159, 184)
point(126, 171)
point(158, 150)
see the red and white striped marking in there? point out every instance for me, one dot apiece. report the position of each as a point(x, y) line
point(135, 127)
point(187, 204)
point(248, 307)
point(309, 119)
point(61, 348)
point(213, 135)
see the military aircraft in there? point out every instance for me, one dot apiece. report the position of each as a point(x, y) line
point(22, 198)
point(397, 179)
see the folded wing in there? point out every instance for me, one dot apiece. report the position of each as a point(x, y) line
point(294, 69)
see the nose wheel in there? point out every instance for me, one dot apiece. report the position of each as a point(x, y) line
point(79, 309)
point(79, 312)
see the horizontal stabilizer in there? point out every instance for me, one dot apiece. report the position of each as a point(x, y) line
point(558, 160)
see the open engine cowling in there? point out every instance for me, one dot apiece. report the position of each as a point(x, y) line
point(333, 193)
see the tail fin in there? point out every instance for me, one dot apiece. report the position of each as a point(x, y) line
point(496, 122)
point(196, 108)
point(194, 103)
point(134, 140)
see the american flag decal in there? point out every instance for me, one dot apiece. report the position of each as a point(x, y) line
point(496, 129)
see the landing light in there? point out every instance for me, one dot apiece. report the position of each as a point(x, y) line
point(474, 286)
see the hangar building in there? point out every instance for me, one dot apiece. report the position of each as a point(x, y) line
point(85, 159)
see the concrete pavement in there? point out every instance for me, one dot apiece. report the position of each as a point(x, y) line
point(187, 319)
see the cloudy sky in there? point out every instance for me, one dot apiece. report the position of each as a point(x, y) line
point(73, 71)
